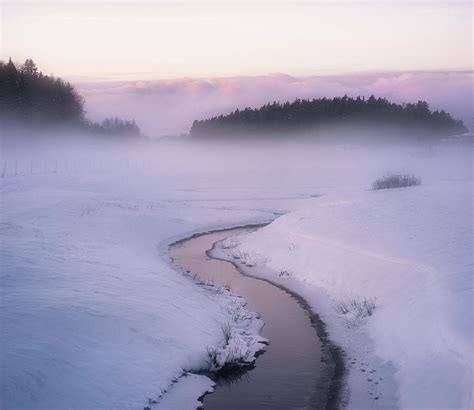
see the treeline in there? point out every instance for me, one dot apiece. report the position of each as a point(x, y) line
point(31, 99)
point(114, 126)
point(302, 115)
point(29, 96)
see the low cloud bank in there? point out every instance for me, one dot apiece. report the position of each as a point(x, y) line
point(168, 107)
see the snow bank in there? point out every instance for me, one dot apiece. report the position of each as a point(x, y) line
point(92, 314)
point(408, 250)
point(184, 394)
point(241, 332)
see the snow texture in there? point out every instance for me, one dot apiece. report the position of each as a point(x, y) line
point(391, 273)
point(93, 316)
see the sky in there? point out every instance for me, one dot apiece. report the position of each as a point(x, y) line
point(141, 42)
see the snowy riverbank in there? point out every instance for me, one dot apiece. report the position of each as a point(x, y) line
point(92, 315)
point(408, 250)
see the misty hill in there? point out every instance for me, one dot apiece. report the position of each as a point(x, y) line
point(31, 99)
point(302, 115)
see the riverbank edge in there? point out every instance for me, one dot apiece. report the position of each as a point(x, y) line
point(333, 378)
point(334, 375)
point(225, 371)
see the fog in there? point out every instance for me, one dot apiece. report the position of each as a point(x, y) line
point(260, 164)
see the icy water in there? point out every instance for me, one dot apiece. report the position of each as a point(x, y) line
point(288, 374)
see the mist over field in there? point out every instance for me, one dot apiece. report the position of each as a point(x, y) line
point(89, 211)
point(236, 205)
point(348, 156)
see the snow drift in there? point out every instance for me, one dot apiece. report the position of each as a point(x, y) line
point(407, 250)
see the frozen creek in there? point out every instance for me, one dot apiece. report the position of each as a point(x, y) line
point(296, 369)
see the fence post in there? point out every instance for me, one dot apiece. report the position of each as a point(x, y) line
point(4, 170)
point(16, 168)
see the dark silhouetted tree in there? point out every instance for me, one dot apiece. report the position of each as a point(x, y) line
point(309, 114)
point(28, 96)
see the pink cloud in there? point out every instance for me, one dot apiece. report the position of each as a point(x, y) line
point(170, 106)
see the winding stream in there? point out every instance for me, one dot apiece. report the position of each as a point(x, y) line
point(290, 373)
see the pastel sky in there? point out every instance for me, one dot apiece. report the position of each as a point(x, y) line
point(172, 39)
point(134, 58)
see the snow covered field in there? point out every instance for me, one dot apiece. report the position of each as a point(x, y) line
point(93, 316)
point(409, 251)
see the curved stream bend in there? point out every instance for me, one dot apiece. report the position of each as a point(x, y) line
point(300, 369)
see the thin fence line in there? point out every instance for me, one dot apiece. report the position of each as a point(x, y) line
point(11, 168)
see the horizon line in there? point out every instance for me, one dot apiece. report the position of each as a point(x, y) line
point(316, 73)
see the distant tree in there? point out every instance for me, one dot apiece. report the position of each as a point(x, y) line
point(31, 98)
point(115, 127)
point(118, 126)
point(303, 114)
point(28, 96)
point(29, 68)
